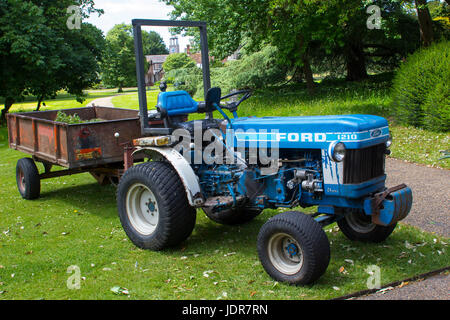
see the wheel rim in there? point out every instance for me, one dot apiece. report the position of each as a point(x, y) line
point(360, 222)
point(285, 253)
point(21, 181)
point(142, 209)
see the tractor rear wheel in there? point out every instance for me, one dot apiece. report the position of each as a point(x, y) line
point(153, 206)
point(293, 248)
point(233, 216)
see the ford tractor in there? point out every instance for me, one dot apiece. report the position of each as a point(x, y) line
point(233, 168)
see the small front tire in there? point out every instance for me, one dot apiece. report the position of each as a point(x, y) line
point(293, 248)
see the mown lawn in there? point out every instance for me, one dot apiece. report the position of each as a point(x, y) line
point(75, 223)
point(63, 100)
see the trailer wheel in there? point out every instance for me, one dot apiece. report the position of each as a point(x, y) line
point(357, 226)
point(293, 248)
point(153, 206)
point(233, 216)
point(27, 178)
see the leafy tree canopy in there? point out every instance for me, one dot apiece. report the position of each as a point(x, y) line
point(304, 29)
point(118, 64)
point(178, 61)
point(153, 43)
point(40, 55)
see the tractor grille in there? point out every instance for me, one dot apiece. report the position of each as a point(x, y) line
point(364, 164)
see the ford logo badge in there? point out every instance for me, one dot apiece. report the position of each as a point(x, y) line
point(376, 133)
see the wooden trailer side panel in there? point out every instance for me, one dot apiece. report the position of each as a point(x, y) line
point(75, 145)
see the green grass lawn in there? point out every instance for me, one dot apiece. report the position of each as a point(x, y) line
point(64, 100)
point(75, 222)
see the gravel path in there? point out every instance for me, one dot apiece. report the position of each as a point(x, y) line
point(430, 212)
point(431, 194)
point(107, 101)
point(434, 288)
point(102, 102)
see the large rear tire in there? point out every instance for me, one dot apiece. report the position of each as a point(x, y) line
point(357, 226)
point(27, 178)
point(153, 206)
point(293, 248)
point(233, 216)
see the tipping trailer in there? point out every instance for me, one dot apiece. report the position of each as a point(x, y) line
point(99, 147)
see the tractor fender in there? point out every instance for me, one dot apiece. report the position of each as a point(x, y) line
point(181, 166)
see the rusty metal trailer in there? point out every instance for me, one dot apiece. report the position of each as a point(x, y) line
point(102, 148)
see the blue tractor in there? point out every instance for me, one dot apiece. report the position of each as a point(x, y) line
point(233, 168)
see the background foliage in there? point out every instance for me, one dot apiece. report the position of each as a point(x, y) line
point(421, 90)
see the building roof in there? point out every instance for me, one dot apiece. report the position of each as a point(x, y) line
point(159, 58)
point(197, 57)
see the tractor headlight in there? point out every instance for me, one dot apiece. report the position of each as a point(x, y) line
point(389, 141)
point(337, 151)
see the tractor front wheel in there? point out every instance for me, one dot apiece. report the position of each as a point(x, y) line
point(293, 248)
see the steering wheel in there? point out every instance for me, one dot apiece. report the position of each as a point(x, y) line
point(232, 106)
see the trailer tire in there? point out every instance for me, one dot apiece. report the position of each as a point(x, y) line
point(153, 206)
point(27, 178)
point(357, 226)
point(293, 248)
point(234, 216)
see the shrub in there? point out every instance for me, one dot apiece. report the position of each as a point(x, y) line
point(254, 71)
point(187, 79)
point(437, 108)
point(178, 61)
point(420, 89)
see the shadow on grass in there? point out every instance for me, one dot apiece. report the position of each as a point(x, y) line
point(91, 198)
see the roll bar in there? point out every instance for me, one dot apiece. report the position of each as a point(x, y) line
point(138, 49)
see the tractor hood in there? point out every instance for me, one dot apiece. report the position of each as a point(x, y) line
point(356, 131)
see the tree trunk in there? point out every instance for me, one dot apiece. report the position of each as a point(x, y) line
point(39, 103)
point(356, 63)
point(308, 75)
point(8, 103)
point(425, 22)
point(120, 90)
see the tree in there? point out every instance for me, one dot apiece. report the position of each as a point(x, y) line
point(300, 29)
point(178, 61)
point(39, 55)
point(153, 44)
point(425, 22)
point(118, 64)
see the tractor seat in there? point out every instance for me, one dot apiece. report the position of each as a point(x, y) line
point(176, 103)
